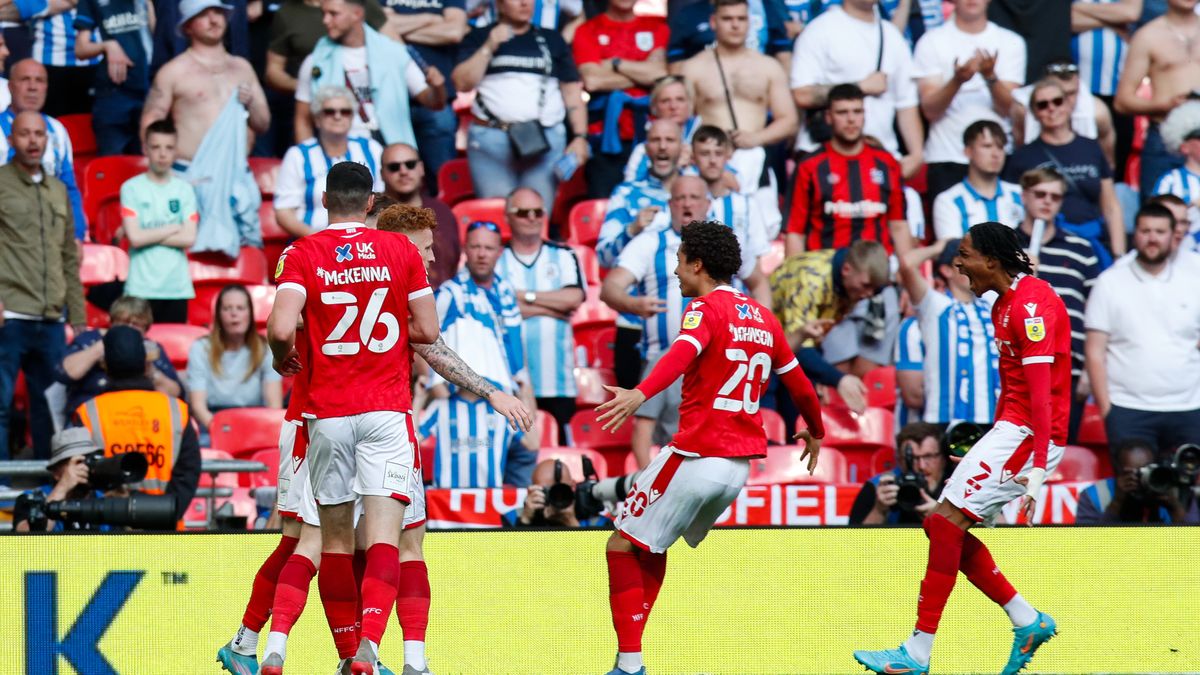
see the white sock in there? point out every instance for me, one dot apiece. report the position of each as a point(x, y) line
point(414, 654)
point(630, 662)
point(245, 642)
point(374, 648)
point(920, 646)
point(276, 644)
point(1020, 612)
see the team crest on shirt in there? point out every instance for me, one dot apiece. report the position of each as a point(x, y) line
point(833, 179)
point(877, 177)
point(748, 311)
point(343, 253)
point(692, 320)
point(552, 271)
point(279, 265)
point(1035, 329)
point(316, 72)
point(644, 40)
point(173, 205)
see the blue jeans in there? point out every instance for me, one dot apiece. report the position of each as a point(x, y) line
point(1156, 160)
point(496, 172)
point(115, 121)
point(37, 347)
point(434, 130)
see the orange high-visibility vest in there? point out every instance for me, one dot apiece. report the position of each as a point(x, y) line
point(134, 420)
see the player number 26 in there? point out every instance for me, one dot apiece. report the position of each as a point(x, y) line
point(751, 373)
point(335, 346)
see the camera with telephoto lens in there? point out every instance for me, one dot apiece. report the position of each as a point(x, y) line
point(140, 511)
point(1180, 472)
point(910, 483)
point(590, 494)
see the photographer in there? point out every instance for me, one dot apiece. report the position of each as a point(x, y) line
point(1138, 493)
point(909, 492)
point(68, 468)
point(556, 500)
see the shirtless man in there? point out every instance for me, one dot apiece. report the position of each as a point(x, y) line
point(194, 87)
point(1168, 50)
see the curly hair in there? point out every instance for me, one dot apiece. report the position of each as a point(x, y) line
point(999, 241)
point(403, 218)
point(715, 245)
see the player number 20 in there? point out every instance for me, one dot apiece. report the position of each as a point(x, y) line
point(335, 346)
point(751, 373)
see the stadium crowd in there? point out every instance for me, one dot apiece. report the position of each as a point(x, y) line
point(160, 157)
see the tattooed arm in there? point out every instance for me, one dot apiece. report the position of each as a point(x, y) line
point(445, 362)
point(158, 101)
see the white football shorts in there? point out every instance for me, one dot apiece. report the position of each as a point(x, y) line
point(983, 481)
point(370, 454)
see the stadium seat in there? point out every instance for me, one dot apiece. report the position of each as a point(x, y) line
point(220, 479)
point(774, 425)
point(266, 171)
point(176, 339)
point(1078, 464)
point(1091, 429)
point(202, 307)
point(631, 459)
point(103, 178)
point(268, 478)
point(881, 387)
point(546, 428)
point(275, 238)
point(857, 436)
point(590, 382)
point(588, 264)
point(884, 459)
point(594, 344)
point(568, 195)
point(773, 258)
point(103, 228)
point(593, 310)
point(572, 459)
point(583, 225)
point(250, 267)
point(83, 138)
point(783, 465)
point(243, 431)
point(586, 433)
point(454, 182)
point(471, 210)
point(102, 263)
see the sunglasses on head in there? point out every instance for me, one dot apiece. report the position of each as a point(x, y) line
point(1045, 104)
point(527, 213)
point(337, 112)
point(409, 164)
point(1055, 197)
point(486, 224)
point(1062, 69)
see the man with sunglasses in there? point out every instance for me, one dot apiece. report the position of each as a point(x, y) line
point(404, 181)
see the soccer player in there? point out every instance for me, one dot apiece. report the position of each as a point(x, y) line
point(1033, 336)
point(726, 348)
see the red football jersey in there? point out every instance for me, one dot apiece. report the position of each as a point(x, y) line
point(358, 283)
point(1032, 326)
point(740, 343)
point(299, 395)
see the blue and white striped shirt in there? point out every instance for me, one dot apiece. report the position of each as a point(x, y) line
point(741, 213)
point(546, 13)
point(54, 41)
point(1185, 185)
point(472, 442)
point(910, 356)
point(637, 167)
point(484, 326)
point(58, 160)
point(627, 199)
point(301, 180)
point(1100, 53)
point(651, 258)
point(961, 366)
point(549, 342)
point(957, 208)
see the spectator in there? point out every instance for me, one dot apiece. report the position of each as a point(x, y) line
point(981, 196)
point(231, 367)
point(561, 16)
point(1068, 263)
point(1143, 327)
point(403, 181)
point(526, 87)
point(1090, 207)
point(813, 291)
point(829, 212)
point(1100, 45)
point(170, 41)
point(121, 33)
point(536, 511)
point(961, 381)
point(712, 149)
point(1124, 498)
point(1156, 51)
point(548, 282)
point(432, 29)
point(756, 111)
point(966, 71)
point(5, 94)
point(1044, 29)
point(620, 56)
point(301, 182)
point(39, 278)
point(481, 322)
point(910, 374)
point(1088, 116)
point(159, 218)
point(131, 417)
point(693, 29)
point(82, 368)
point(669, 99)
point(851, 44)
point(1181, 135)
point(658, 301)
point(27, 85)
point(1183, 242)
point(346, 55)
point(918, 451)
point(70, 78)
point(69, 451)
point(207, 93)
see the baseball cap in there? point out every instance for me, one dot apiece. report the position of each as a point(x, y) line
point(946, 257)
point(190, 9)
point(124, 353)
point(69, 443)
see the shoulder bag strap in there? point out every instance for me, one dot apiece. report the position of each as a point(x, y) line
point(725, 86)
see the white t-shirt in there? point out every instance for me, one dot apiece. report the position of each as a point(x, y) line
point(934, 57)
point(354, 62)
point(837, 48)
point(1153, 327)
point(5, 94)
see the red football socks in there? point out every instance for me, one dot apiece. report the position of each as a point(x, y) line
point(262, 593)
point(626, 598)
point(654, 570)
point(360, 567)
point(339, 595)
point(379, 589)
point(292, 593)
point(941, 571)
point(412, 600)
point(981, 570)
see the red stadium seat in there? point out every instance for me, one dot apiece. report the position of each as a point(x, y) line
point(202, 307)
point(271, 231)
point(783, 465)
point(546, 428)
point(104, 177)
point(1078, 464)
point(250, 267)
point(593, 310)
point(427, 448)
point(883, 460)
point(631, 459)
point(454, 182)
point(176, 339)
point(572, 459)
point(83, 138)
point(857, 436)
point(594, 344)
point(221, 479)
point(266, 171)
point(268, 478)
point(584, 222)
point(590, 382)
point(1091, 429)
point(569, 194)
point(774, 425)
point(586, 433)
point(103, 228)
point(243, 431)
point(471, 210)
point(588, 264)
point(102, 263)
point(773, 258)
point(881, 387)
